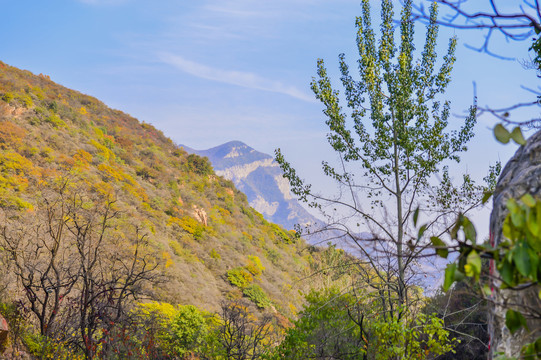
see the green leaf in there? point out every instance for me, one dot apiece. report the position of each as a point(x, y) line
point(415, 216)
point(507, 228)
point(440, 247)
point(528, 200)
point(421, 232)
point(514, 321)
point(522, 260)
point(518, 219)
point(469, 230)
point(517, 137)
point(501, 134)
point(538, 214)
point(487, 290)
point(512, 206)
point(459, 275)
point(449, 276)
point(532, 224)
point(456, 227)
point(486, 195)
point(506, 272)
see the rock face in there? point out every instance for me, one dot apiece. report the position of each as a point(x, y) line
point(521, 175)
point(260, 178)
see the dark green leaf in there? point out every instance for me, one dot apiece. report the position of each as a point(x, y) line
point(522, 260)
point(449, 276)
point(415, 216)
point(514, 321)
point(440, 246)
point(487, 195)
point(421, 232)
point(506, 272)
point(469, 230)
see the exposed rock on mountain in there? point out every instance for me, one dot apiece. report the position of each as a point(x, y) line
point(260, 178)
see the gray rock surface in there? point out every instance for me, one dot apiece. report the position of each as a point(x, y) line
point(521, 175)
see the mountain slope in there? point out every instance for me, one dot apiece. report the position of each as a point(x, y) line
point(260, 178)
point(198, 226)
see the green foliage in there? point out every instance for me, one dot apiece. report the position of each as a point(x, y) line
point(214, 254)
point(187, 331)
point(46, 348)
point(199, 165)
point(324, 330)
point(178, 330)
point(255, 293)
point(336, 325)
point(517, 257)
point(240, 277)
point(394, 134)
point(7, 97)
point(425, 336)
point(281, 234)
point(55, 121)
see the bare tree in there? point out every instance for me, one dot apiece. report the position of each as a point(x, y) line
point(41, 257)
point(496, 20)
point(242, 336)
point(76, 270)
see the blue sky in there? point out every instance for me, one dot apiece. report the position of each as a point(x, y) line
point(210, 71)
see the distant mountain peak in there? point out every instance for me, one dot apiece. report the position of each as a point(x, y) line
point(260, 178)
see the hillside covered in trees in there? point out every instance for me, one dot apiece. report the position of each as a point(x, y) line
point(101, 212)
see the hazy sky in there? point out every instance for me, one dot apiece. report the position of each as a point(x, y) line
point(210, 71)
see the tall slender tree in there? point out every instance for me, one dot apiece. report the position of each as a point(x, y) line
point(392, 144)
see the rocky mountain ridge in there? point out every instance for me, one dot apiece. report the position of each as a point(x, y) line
point(260, 178)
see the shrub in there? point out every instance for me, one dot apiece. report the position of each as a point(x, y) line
point(199, 165)
point(254, 265)
point(239, 277)
point(55, 121)
point(187, 331)
point(255, 293)
point(215, 255)
point(7, 97)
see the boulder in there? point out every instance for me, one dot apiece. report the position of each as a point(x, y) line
point(521, 175)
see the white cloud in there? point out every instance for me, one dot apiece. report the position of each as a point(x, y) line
point(239, 78)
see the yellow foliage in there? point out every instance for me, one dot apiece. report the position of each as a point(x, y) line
point(10, 134)
point(103, 150)
point(254, 265)
point(167, 257)
point(104, 188)
point(116, 174)
point(187, 223)
point(82, 110)
point(82, 158)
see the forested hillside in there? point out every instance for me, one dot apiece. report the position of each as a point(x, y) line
point(101, 212)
